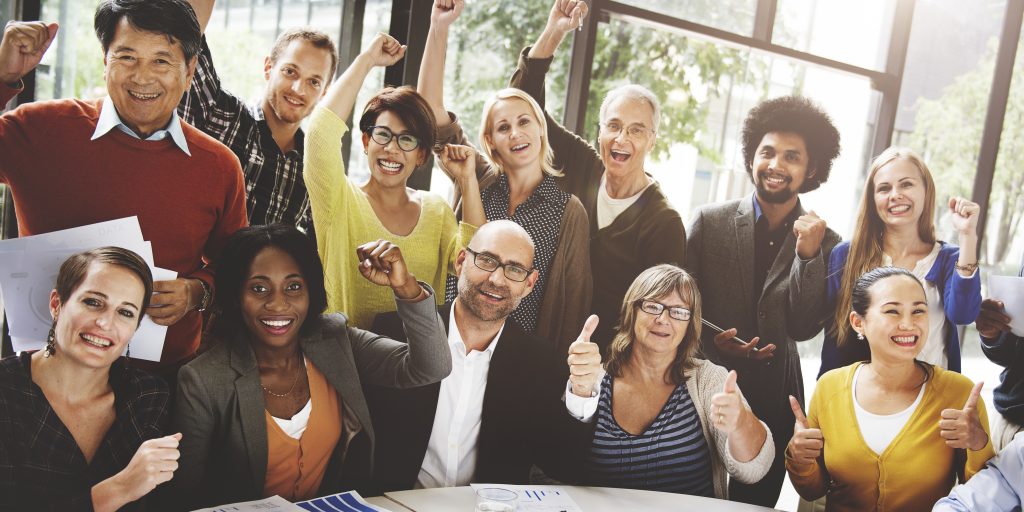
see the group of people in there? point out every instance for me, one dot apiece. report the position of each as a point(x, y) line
point(571, 344)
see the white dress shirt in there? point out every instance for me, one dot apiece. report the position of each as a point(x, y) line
point(109, 120)
point(450, 460)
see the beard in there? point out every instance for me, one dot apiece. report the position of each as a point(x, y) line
point(774, 197)
point(469, 296)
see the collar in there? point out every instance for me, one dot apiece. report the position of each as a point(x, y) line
point(546, 190)
point(793, 214)
point(455, 337)
point(109, 119)
point(256, 110)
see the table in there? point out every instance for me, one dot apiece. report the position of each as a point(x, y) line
point(590, 499)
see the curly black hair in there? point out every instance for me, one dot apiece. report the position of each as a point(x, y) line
point(801, 116)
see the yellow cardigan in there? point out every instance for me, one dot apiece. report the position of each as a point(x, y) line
point(915, 471)
point(344, 220)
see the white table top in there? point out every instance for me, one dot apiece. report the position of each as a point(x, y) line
point(590, 499)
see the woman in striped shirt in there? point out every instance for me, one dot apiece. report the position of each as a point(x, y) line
point(666, 420)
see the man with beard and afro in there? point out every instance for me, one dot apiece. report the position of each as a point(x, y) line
point(761, 261)
point(484, 422)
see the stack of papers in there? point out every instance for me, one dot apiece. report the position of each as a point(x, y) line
point(342, 502)
point(29, 270)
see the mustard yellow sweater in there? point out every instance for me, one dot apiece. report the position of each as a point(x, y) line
point(344, 220)
point(915, 471)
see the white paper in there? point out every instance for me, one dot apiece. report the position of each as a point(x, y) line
point(272, 504)
point(538, 499)
point(1010, 291)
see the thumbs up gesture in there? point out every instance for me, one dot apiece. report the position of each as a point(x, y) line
point(727, 409)
point(807, 443)
point(584, 361)
point(809, 231)
point(961, 428)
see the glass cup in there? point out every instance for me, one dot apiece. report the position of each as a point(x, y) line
point(493, 499)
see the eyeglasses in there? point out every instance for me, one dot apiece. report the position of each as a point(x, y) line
point(655, 308)
point(382, 135)
point(633, 131)
point(490, 264)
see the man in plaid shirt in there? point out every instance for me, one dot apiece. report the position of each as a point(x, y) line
point(265, 136)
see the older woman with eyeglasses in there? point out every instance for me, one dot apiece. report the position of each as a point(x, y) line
point(398, 129)
point(665, 420)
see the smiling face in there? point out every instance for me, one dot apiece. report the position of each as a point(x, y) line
point(661, 333)
point(899, 193)
point(146, 75)
point(296, 81)
point(515, 134)
point(274, 298)
point(100, 316)
point(389, 165)
point(490, 296)
point(780, 167)
point(896, 322)
point(624, 154)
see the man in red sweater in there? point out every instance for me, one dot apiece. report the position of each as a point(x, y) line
point(73, 162)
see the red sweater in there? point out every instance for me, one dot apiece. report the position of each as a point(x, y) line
point(187, 205)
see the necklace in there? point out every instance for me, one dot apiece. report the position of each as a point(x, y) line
point(290, 390)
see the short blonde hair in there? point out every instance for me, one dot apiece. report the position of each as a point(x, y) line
point(652, 284)
point(547, 163)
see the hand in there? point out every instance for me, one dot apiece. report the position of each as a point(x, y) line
point(445, 12)
point(172, 300)
point(584, 361)
point(807, 443)
point(153, 464)
point(992, 320)
point(381, 263)
point(729, 347)
point(965, 215)
point(809, 230)
point(460, 161)
point(22, 47)
point(961, 428)
point(384, 50)
point(567, 15)
point(727, 408)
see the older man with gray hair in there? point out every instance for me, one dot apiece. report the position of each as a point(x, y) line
point(633, 225)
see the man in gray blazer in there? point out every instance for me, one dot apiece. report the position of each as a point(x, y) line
point(761, 262)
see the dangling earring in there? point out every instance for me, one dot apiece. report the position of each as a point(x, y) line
point(51, 340)
point(128, 352)
point(860, 336)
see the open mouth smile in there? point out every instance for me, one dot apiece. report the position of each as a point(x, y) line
point(142, 96)
point(904, 341)
point(96, 341)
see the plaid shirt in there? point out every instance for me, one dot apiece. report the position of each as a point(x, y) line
point(41, 465)
point(274, 189)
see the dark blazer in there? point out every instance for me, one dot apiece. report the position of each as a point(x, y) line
point(220, 406)
point(521, 388)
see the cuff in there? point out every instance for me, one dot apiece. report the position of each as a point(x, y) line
point(579, 407)
point(533, 64)
point(425, 293)
point(452, 132)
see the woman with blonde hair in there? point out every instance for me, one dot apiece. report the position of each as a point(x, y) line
point(895, 227)
point(517, 181)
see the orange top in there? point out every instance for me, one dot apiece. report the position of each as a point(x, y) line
point(295, 467)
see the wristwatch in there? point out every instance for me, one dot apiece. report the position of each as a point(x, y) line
point(205, 301)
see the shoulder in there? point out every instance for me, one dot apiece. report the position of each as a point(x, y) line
point(432, 201)
point(722, 209)
point(212, 361)
point(333, 323)
point(836, 379)
point(146, 392)
point(707, 376)
point(948, 253)
point(840, 252)
point(953, 387)
point(13, 376)
point(205, 147)
point(68, 110)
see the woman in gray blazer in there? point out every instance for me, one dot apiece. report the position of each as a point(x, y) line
point(276, 406)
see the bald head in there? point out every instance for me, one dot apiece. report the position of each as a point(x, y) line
point(492, 295)
point(505, 238)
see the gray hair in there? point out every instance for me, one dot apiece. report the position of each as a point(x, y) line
point(634, 92)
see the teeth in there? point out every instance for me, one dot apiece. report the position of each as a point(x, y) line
point(293, 102)
point(519, 147)
point(899, 209)
point(775, 180)
point(276, 323)
point(498, 297)
point(99, 342)
point(143, 96)
point(391, 166)
point(904, 339)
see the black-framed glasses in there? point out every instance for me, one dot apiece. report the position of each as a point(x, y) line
point(489, 263)
point(382, 135)
point(655, 308)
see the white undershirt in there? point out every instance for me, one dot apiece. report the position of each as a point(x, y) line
point(450, 460)
point(878, 430)
point(296, 425)
point(934, 350)
point(608, 208)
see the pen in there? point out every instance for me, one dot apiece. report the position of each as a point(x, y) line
point(719, 329)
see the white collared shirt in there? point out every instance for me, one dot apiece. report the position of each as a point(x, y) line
point(109, 119)
point(450, 460)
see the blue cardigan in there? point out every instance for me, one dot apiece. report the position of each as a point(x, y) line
point(961, 300)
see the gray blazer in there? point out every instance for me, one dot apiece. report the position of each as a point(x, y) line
point(220, 405)
point(790, 307)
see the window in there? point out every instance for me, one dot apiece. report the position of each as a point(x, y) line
point(731, 15)
point(377, 18)
point(852, 32)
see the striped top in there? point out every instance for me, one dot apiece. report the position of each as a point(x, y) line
point(671, 455)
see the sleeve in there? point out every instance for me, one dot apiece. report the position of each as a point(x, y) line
point(15, 139)
point(581, 408)
point(977, 459)
point(455, 235)
point(485, 172)
point(961, 297)
point(830, 356)
point(666, 240)
point(806, 308)
point(1000, 486)
point(195, 419)
point(1003, 350)
point(323, 169)
point(530, 75)
point(232, 218)
point(425, 359)
point(206, 105)
point(566, 304)
point(810, 480)
point(694, 241)
point(755, 469)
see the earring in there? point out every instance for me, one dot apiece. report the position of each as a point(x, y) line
point(365, 151)
point(51, 340)
point(860, 336)
point(128, 352)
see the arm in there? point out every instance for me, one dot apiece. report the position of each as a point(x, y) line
point(743, 442)
point(565, 16)
point(666, 240)
point(203, 9)
point(805, 461)
point(431, 80)
point(1000, 486)
point(976, 459)
point(961, 295)
point(206, 105)
point(383, 51)
point(459, 162)
point(805, 310)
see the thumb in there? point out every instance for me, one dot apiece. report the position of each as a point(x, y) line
point(730, 382)
point(801, 420)
point(972, 399)
point(588, 328)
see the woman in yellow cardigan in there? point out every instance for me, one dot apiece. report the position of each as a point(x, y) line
point(398, 131)
point(888, 434)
